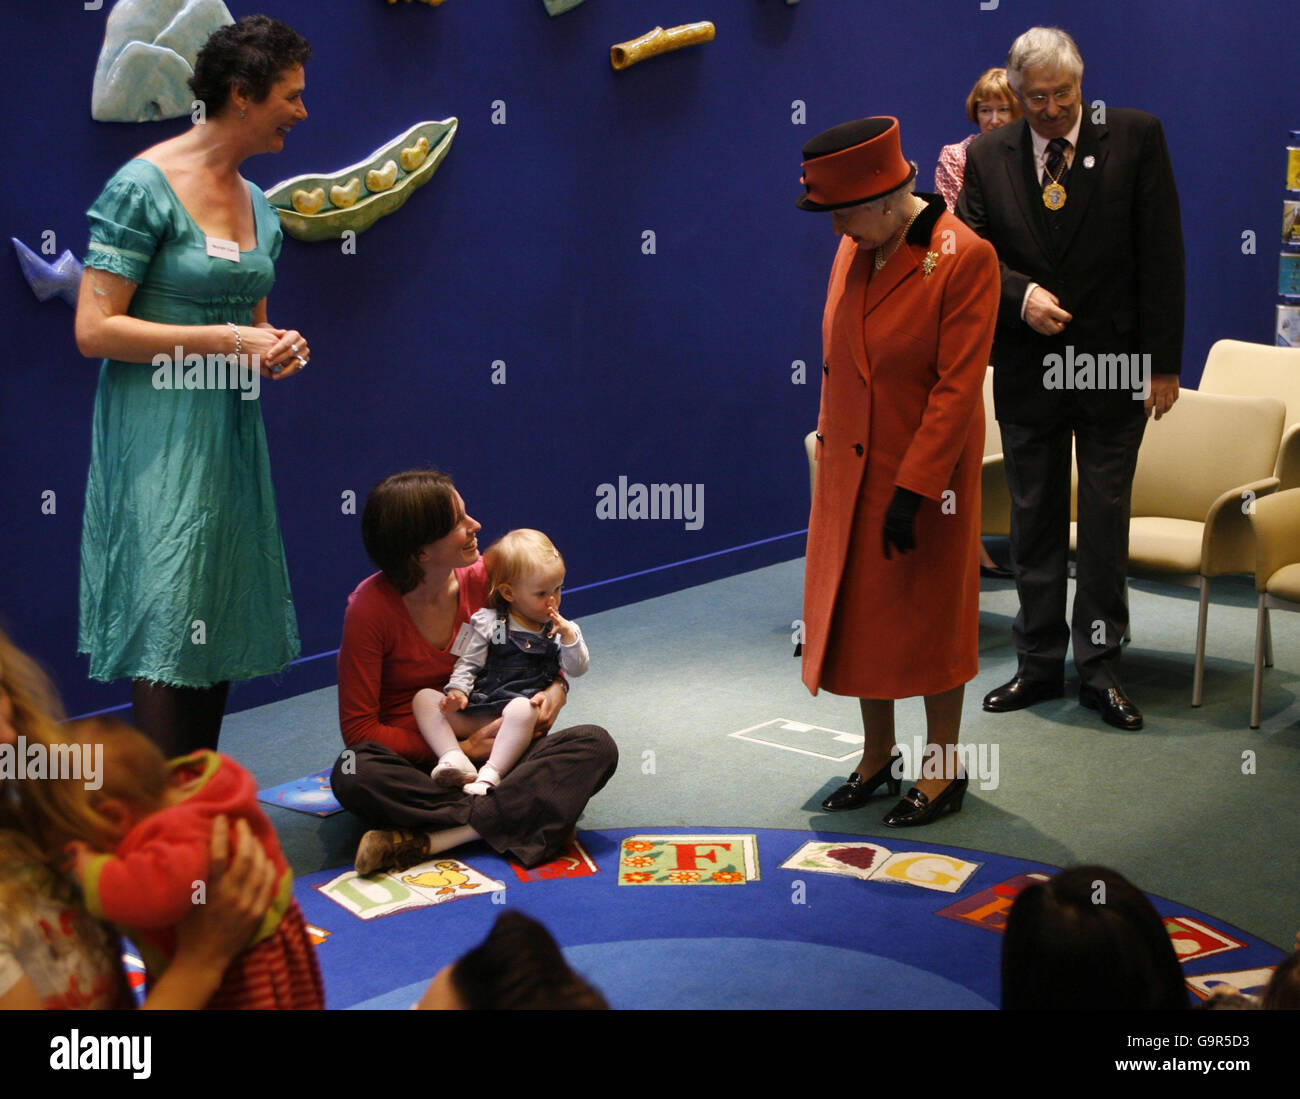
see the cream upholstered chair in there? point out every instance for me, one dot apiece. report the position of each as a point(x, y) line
point(1277, 574)
point(810, 445)
point(1199, 470)
point(1259, 370)
point(995, 497)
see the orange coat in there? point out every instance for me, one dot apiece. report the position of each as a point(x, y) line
point(904, 356)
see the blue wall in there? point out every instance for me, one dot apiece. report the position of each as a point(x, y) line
point(526, 247)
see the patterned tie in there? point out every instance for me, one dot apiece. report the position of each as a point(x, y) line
point(1056, 150)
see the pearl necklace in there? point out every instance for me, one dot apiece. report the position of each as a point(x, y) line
point(882, 257)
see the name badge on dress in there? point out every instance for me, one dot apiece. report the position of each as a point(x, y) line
point(463, 638)
point(222, 249)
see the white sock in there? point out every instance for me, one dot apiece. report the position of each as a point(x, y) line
point(488, 777)
point(454, 760)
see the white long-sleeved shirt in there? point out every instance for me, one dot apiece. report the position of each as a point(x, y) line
point(473, 644)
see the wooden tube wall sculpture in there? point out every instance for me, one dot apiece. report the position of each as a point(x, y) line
point(659, 41)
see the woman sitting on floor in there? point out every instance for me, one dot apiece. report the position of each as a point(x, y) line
point(399, 633)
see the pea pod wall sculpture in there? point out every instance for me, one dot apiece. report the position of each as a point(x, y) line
point(309, 215)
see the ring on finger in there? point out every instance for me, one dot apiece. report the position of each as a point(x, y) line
point(302, 363)
point(294, 348)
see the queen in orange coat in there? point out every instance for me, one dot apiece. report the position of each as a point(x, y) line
point(891, 591)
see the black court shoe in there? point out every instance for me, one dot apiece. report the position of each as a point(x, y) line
point(916, 808)
point(856, 789)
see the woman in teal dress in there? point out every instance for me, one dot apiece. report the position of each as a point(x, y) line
point(184, 585)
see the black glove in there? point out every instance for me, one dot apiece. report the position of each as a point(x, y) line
point(899, 520)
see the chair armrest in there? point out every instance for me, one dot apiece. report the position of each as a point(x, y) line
point(1288, 459)
point(1277, 533)
point(1228, 541)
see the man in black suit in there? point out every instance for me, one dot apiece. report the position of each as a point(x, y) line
point(1080, 203)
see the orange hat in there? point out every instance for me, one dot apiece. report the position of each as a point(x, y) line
point(851, 163)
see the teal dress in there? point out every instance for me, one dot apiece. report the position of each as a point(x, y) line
point(183, 575)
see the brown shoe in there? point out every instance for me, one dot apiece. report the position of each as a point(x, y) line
point(389, 850)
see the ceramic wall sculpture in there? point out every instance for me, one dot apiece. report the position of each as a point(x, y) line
point(559, 7)
point(148, 58)
point(322, 207)
point(658, 41)
point(62, 277)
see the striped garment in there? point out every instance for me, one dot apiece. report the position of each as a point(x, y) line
point(279, 973)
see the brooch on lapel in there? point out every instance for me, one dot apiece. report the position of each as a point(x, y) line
point(928, 264)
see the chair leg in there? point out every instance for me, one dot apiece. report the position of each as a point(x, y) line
point(1261, 629)
point(1197, 676)
point(1268, 637)
point(1128, 622)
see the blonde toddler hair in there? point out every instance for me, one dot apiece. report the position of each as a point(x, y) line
point(517, 554)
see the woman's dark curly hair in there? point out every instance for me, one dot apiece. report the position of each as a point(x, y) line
point(250, 55)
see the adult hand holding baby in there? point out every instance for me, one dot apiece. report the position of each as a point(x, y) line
point(240, 887)
point(548, 703)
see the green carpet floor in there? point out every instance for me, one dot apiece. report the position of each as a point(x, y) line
point(1196, 807)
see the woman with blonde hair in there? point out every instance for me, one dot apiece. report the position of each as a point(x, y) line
point(52, 954)
point(989, 105)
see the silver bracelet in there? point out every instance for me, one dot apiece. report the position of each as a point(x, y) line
point(239, 340)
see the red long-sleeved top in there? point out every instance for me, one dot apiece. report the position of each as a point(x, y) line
point(384, 660)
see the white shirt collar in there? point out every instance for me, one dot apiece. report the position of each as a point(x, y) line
point(1040, 143)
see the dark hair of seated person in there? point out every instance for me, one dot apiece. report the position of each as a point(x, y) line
point(1283, 991)
point(1088, 939)
point(520, 967)
point(404, 513)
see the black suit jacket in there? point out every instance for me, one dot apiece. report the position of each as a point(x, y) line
point(1113, 256)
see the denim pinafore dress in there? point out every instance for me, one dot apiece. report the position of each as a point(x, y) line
point(517, 667)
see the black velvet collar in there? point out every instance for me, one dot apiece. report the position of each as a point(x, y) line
point(923, 226)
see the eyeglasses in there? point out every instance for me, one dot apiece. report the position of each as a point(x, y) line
point(1062, 96)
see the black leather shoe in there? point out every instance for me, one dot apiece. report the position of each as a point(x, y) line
point(997, 572)
point(1021, 692)
point(916, 808)
point(1113, 705)
point(856, 789)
